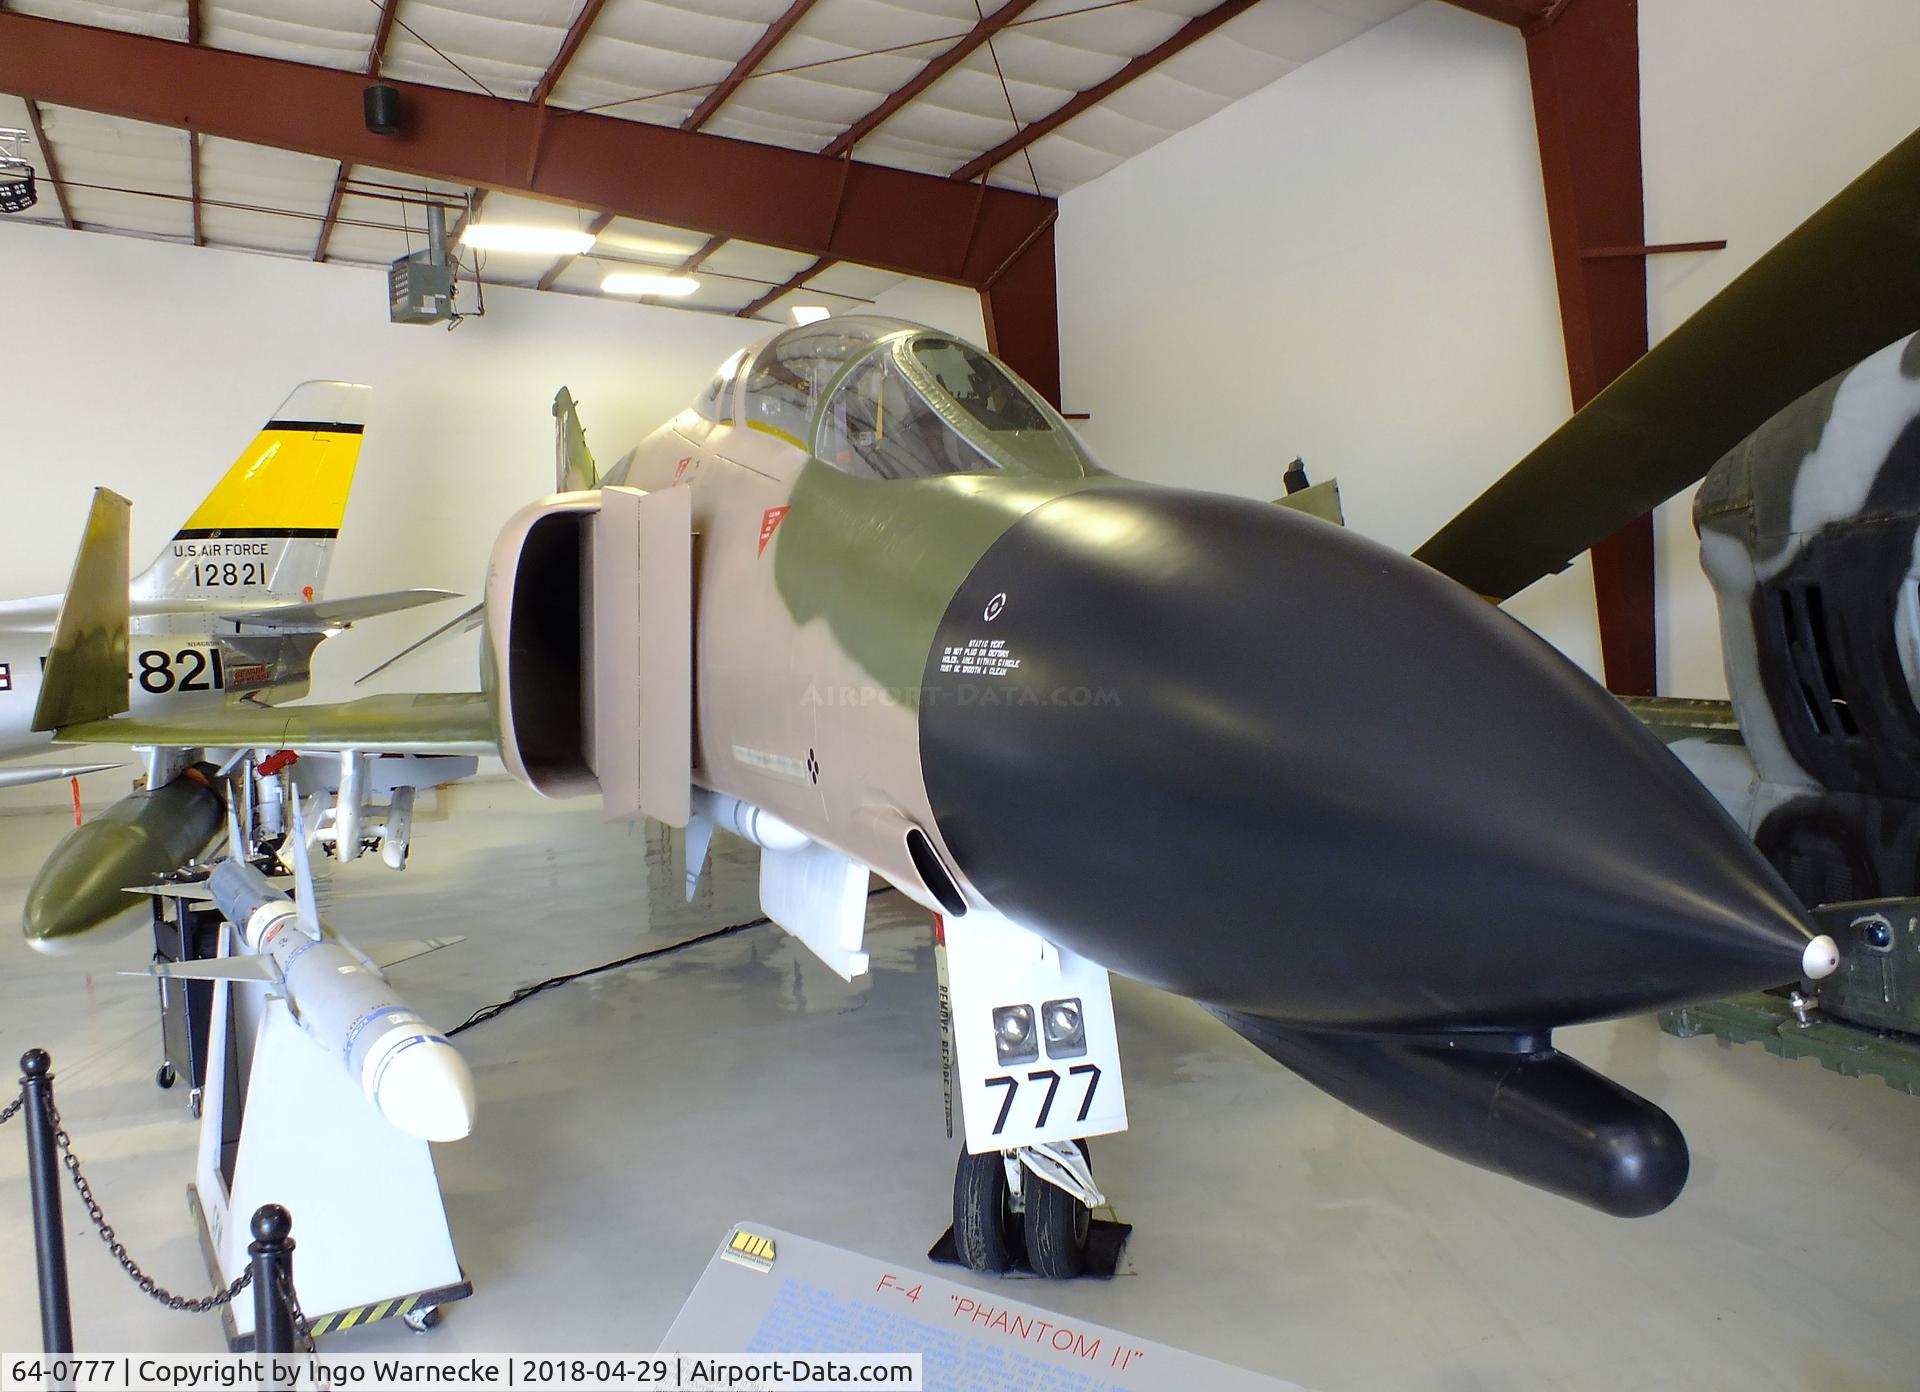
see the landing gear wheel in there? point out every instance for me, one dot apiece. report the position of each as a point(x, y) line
point(1057, 1225)
point(421, 1320)
point(986, 1229)
point(164, 1077)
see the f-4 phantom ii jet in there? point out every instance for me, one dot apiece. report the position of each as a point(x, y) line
point(231, 610)
point(870, 604)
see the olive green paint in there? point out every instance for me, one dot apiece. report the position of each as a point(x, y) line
point(880, 559)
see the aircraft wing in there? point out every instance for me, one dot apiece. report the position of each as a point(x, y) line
point(39, 612)
point(1839, 287)
point(1675, 717)
point(458, 722)
point(24, 774)
point(326, 613)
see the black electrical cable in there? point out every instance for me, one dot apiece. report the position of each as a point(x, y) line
point(488, 1012)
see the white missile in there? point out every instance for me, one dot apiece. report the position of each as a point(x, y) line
point(408, 1070)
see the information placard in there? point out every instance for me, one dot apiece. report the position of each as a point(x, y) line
point(766, 1289)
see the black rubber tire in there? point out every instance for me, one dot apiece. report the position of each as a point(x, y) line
point(164, 1077)
point(986, 1230)
point(1057, 1225)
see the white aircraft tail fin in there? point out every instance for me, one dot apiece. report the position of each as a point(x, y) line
point(267, 530)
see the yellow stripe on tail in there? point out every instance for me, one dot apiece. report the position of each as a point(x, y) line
point(293, 479)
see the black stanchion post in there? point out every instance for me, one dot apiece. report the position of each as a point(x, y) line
point(43, 1177)
point(272, 1253)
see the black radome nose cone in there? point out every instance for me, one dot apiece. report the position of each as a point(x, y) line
point(1250, 757)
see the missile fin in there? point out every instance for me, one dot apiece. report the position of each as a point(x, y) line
point(197, 891)
point(699, 837)
point(214, 969)
point(303, 871)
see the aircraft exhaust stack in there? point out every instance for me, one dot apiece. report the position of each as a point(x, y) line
point(82, 886)
point(1508, 1103)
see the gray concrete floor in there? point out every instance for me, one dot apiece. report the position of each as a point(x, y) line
point(626, 1121)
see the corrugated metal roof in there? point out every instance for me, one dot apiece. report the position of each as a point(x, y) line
point(656, 61)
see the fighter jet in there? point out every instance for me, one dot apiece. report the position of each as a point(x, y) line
point(870, 603)
point(231, 610)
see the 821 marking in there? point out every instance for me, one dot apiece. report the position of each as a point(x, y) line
point(199, 669)
point(1051, 1077)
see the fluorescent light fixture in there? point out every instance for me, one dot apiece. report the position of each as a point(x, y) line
point(810, 313)
point(541, 241)
point(649, 283)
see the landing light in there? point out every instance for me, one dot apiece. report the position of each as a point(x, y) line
point(541, 241)
point(1013, 1034)
point(628, 283)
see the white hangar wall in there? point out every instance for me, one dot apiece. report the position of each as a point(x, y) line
point(1352, 264)
point(146, 367)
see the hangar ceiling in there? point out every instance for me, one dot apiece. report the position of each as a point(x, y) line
point(1034, 95)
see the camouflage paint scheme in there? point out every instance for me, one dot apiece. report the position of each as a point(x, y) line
point(1296, 807)
point(1810, 533)
point(1301, 809)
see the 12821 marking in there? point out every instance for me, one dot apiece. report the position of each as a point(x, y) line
point(225, 574)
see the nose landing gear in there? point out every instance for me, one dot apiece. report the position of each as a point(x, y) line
point(1034, 1203)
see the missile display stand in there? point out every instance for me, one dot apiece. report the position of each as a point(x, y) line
point(184, 932)
point(282, 1123)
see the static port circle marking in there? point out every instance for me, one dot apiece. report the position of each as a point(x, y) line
point(995, 605)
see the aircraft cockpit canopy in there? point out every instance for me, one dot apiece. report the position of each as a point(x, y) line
point(882, 398)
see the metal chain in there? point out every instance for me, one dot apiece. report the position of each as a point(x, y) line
point(301, 1328)
point(115, 1246)
point(7, 1114)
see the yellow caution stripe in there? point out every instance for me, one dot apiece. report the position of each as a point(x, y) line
point(364, 1314)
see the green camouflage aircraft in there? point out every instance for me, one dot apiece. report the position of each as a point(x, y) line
point(871, 604)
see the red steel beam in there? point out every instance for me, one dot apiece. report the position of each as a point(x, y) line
point(1522, 14)
point(1585, 72)
point(193, 137)
point(748, 64)
point(570, 45)
point(332, 218)
point(475, 198)
point(913, 224)
point(382, 31)
point(52, 164)
point(1194, 29)
point(559, 268)
point(799, 279)
point(1022, 311)
point(698, 259)
point(376, 55)
point(193, 185)
point(945, 63)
